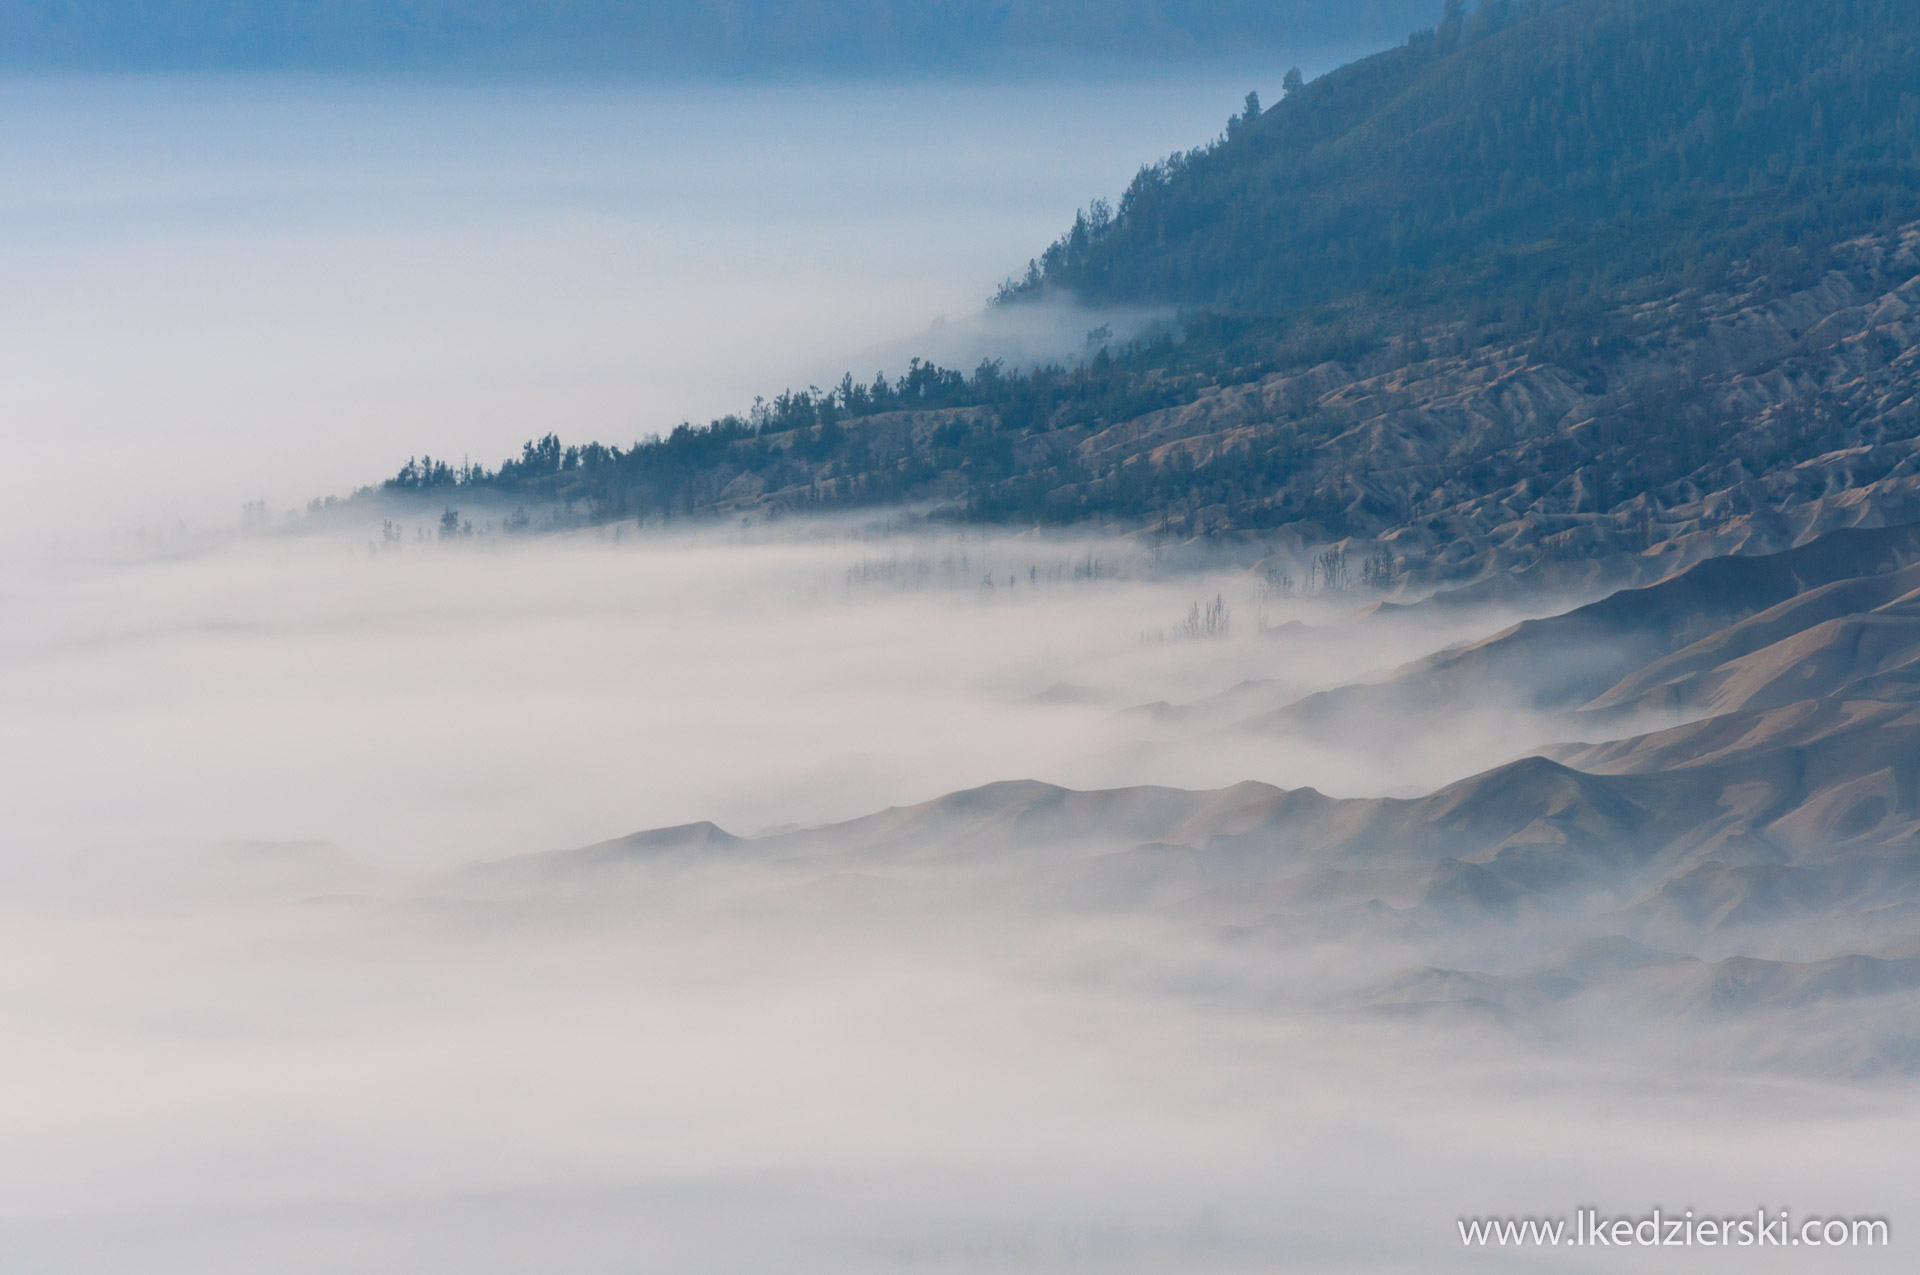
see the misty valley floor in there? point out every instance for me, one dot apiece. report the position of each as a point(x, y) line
point(1723, 868)
point(1354, 920)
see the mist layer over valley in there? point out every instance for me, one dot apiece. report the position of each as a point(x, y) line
point(301, 964)
point(489, 695)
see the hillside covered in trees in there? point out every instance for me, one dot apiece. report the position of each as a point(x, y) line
point(1546, 275)
point(1654, 138)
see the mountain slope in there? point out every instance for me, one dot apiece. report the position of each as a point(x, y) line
point(1674, 682)
point(1610, 654)
point(1564, 281)
point(1685, 128)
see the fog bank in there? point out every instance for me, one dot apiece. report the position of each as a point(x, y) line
point(432, 701)
point(266, 1009)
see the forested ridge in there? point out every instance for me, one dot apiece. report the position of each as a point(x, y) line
point(1574, 263)
point(1668, 135)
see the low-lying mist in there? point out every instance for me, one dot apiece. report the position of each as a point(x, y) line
point(426, 701)
point(284, 988)
point(760, 1068)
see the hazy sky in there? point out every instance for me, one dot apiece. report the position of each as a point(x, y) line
point(670, 37)
point(229, 289)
